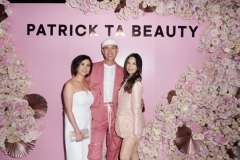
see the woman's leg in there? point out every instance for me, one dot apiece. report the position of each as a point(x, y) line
point(134, 155)
point(127, 148)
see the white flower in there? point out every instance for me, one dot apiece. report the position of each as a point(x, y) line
point(155, 2)
point(82, 6)
point(223, 36)
point(195, 136)
point(184, 108)
point(73, 4)
point(93, 1)
point(198, 88)
point(102, 5)
point(227, 50)
point(215, 41)
point(198, 96)
point(214, 32)
point(144, 4)
point(92, 8)
point(120, 15)
point(160, 8)
point(127, 11)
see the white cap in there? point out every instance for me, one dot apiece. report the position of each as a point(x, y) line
point(109, 41)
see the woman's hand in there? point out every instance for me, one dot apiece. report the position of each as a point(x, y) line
point(79, 136)
point(137, 138)
point(142, 105)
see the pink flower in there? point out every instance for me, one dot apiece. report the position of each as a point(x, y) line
point(198, 96)
point(220, 108)
point(230, 22)
point(229, 72)
point(195, 127)
point(224, 141)
point(210, 64)
point(3, 121)
point(189, 78)
point(209, 137)
point(5, 60)
point(225, 62)
point(223, 36)
point(186, 5)
point(221, 70)
point(129, 3)
point(189, 87)
point(82, 6)
point(218, 23)
point(230, 44)
point(224, 10)
point(206, 39)
point(200, 136)
point(177, 8)
point(199, 11)
point(212, 49)
point(39, 125)
point(24, 130)
point(210, 13)
point(218, 138)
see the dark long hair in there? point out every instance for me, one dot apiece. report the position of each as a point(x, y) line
point(76, 62)
point(136, 76)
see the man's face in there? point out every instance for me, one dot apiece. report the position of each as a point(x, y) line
point(110, 52)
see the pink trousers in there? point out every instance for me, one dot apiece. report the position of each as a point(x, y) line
point(98, 131)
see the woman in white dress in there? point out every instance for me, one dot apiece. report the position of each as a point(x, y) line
point(77, 100)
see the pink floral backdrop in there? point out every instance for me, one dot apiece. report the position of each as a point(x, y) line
point(20, 114)
point(204, 108)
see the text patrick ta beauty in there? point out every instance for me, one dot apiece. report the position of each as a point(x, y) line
point(92, 30)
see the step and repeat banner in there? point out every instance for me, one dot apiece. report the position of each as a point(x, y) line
point(49, 36)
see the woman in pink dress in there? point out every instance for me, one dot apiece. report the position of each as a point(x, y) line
point(130, 121)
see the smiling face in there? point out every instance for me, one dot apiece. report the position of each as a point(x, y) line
point(84, 67)
point(110, 52)
point(131, 66)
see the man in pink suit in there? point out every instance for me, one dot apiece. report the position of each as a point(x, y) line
point(105, 81)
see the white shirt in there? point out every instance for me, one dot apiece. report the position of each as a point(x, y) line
point(108, 84)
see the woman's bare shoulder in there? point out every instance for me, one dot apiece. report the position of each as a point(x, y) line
point(69, 83)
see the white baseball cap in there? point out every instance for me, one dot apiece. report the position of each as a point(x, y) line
point(109, 41)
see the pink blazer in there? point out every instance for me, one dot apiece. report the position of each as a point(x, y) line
point(129, 117)
point(96, 86)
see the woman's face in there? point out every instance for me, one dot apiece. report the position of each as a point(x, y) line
point(131, 66)
point(84, 67)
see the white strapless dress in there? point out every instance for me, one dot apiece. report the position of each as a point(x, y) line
point(81, 109)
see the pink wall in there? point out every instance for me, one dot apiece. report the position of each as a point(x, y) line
point(48, 59)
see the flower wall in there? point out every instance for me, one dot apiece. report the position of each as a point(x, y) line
point(18, 124)
point(205, 102)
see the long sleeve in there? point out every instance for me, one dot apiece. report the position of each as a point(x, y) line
point(136, 96)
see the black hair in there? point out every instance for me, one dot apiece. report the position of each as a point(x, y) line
point(76, 62)
point(136, 76)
